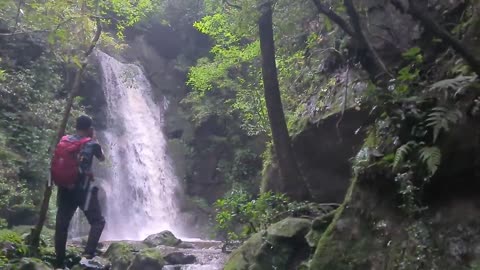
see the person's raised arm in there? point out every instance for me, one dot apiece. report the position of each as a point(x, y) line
point(98, 152)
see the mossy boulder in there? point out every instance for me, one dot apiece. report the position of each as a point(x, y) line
point(165, 238)
point(148, 259)
point(288, 228)
point(281, 247)
point(29, 264)
point(244, 256)
point(121, 254)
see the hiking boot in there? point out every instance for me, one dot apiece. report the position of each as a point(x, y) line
point(88, 256)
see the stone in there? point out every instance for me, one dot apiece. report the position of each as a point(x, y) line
point(121, 255)
point(289, 228)
point(165, 238)
point(148, 259)
point(179, 258)
point(275, 248)
point(243, 257)
point(97, 263)
point(29, 264)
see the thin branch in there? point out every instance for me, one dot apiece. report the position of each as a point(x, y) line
point(345, 100)
point(17, 18)
point(327, 11)
point(23, 33)
point(95, 39)
point(431, 25)
point(355, 20)
point(230, 4)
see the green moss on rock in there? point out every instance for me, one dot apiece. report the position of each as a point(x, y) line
point(244, 256)
point(165, 238)
point(29, 264)
point(120, 255)
point(148, 259)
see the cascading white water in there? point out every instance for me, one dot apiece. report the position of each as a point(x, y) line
point(140, 183)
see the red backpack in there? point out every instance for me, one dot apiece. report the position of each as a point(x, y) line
point(64, 167)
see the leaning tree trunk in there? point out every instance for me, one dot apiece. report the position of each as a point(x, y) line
point(34, 238)
point(292, 182)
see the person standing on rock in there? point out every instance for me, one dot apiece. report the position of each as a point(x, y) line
point(71, 172)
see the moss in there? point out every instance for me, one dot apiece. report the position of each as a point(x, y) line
point(120, 255)
point(165, 238)
point(244, 256)
point(150, 258)
point(323, 247)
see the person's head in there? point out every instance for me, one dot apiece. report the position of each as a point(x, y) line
point(84, 125)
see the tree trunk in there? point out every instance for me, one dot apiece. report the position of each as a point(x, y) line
point(292, 182)
point(34, 238)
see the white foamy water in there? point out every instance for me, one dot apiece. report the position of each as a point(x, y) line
point(140, 183)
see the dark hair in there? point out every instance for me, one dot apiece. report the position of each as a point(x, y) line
point(83, 123)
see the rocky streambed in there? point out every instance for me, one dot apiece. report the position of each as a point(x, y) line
point(159, 251)
point(162, 251)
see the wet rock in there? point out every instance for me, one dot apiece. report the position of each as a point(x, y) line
point(179, 258)
point(121, 255)
point(148, 259)
point(29, 264)
point(97, 263)
point(165, 238)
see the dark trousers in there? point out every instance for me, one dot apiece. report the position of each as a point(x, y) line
point(68, 201)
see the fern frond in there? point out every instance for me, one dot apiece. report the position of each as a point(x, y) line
point(402, 152)
point(440, 118)
point(431, 156)
point(456, 83)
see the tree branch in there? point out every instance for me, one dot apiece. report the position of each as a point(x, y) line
point(34, 238)
point(17, 18)
point(23, 33)
point(327, 11)
point(431, 25)
point(230, 4)
point(95, 39)
point(355, 20)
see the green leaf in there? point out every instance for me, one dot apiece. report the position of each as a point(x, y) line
point(441, 118)
point(412, 53)
point(432, 157)
point(402, 153)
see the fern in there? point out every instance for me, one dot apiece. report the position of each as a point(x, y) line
point(440, 118)
point(432, 157)
point(402, 152)
point(457, 83)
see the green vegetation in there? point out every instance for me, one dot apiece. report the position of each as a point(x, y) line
point(335, 60)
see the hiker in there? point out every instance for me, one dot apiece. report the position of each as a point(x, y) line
point(71, 172)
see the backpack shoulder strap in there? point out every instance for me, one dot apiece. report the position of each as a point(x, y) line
point(85, 140)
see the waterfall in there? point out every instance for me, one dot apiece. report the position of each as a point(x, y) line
point(138, 178)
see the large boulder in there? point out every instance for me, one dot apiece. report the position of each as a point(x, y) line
point(243, 257)
point(29, 264)
point(148, 259)
point(121, 254)
point(165, 238)
point(288, 228)
point(281, 247)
